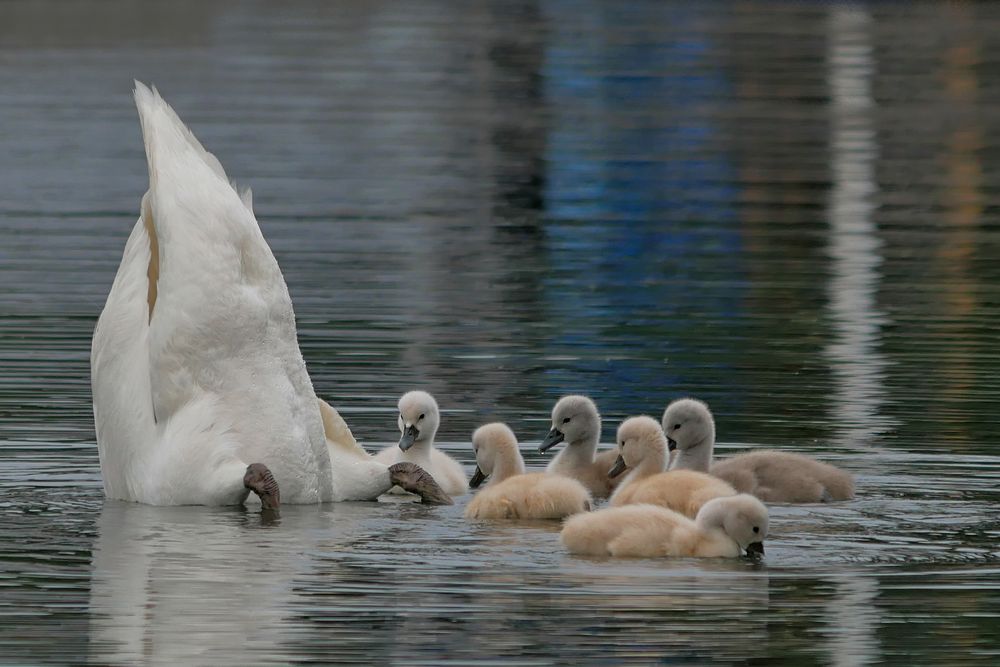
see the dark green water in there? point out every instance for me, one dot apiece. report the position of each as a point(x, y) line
point(789, 210)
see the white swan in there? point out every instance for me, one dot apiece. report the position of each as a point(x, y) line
point(779, 477)
point(724, 527)
point(643, 452)
point(200, 391)
point(419, 418)
point(511, 493)
point(576, 421)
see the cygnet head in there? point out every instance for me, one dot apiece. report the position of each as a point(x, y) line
point(639, 439)
point(688, 423)
point(742, 517)
point(492, 443)
point(574, 419)
point(418, 418)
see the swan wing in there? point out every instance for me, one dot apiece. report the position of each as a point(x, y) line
point(119, 376)
point(338, 433)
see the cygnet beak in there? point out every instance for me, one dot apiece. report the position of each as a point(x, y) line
point(618, 468)
point(554, 437)
point(477, 479)
point(410, 436)
point(755, 549)
point(671, 444)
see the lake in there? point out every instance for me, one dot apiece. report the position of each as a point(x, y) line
point(789, 210)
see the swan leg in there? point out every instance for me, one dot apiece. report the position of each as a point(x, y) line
point(260, 480)
point(414, 479)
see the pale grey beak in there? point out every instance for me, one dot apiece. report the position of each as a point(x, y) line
point(618, 468)
point(554, 437)
point(410, 436)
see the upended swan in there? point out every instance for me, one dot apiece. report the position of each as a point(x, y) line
point(419, 418)
point(772, 476)
point(511, 493)
point(200, 391)
point(724, 527)
point(643, 452)
point(576, 422)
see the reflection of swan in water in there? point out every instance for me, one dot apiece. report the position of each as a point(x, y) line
point(196, 368)
point(165, 589)
point(652, 607)
point(190, 585)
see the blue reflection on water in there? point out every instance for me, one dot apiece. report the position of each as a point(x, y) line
point(627, 225)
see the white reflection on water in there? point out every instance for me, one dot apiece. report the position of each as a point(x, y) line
point(857, 364)
point(375, 583)
point(172, 585)
point(853, 621)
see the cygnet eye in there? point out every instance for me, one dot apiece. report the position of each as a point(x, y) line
point(756, 529)
point(677, 426)
point(421, 416)
point(566, 421)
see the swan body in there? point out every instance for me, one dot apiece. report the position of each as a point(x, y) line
point(724, 528)
point(576, 421)
point(510, 492)
point(419, 418)
point(642, 451)
point(772, 476)
point(195, 365)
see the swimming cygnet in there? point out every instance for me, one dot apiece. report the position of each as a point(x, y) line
point(419, 418)
point(576, 421)
point(724, 527)
point(643, 452)
point(772, 476)
point(511, 493)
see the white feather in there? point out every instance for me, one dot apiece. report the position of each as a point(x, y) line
point(196, 368)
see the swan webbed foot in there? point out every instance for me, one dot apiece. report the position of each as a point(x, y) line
point(260, 480)
point(411, 477)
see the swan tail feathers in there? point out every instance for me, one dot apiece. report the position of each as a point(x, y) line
point(161, 124)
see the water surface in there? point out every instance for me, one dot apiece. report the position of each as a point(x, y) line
point(788, 210)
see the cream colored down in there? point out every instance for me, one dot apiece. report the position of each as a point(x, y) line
point(511, 493)
point(577, 418)
point(772, 476)
point(643, 449)
point(724, 528)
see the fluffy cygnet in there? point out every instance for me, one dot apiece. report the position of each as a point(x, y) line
point(419, 418)
point(724, 527)
point(513, 494)
point(772, 476)
point(576, 421)
point(643, 452)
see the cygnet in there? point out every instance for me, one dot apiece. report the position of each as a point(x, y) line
point(419, 418)
point(772, 476)
point(724, 528)
point(511, 493)
point(576, 421)
point(643, 452)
